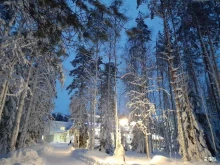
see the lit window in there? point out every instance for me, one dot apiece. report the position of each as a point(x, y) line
point(62, 128)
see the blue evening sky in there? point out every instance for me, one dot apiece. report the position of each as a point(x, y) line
point(63, 101)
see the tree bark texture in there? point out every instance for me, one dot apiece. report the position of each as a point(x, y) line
point(3, 97)
point(26, 120)
point(16, 127)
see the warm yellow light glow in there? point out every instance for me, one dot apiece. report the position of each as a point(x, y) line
point(123, 122)
point(62, 128)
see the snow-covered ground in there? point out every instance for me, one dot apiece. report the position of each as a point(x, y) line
point(62, 154)
point(26, 156)
point(131, 158)
point(42, 154)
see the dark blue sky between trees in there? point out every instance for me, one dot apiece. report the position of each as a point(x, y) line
point(63, 99)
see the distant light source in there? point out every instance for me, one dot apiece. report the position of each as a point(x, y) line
point(62, 128)
point(123, 122)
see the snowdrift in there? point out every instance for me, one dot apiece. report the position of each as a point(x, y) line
point(132, 158)
point(26, 156)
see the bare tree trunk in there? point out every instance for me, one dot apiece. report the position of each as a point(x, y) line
point(3, 97)
point(180, 123)
point(215, 68)
point(211, 74)
point(26, 120)
point(178, 57)
point(147, 146)
point(90, 119)
point(16, 127)
point(196, 145)
point(117, 142)
point(172, 106)
point(118, 146)
point(108, 111)
point(4, 90)
point(210, 125)
point(93, 117)
point(173, 76)
point(189, 109)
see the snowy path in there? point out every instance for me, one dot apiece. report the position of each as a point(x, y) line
point(61, 154)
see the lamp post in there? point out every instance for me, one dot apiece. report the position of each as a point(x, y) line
point(119, 150)
point(123, 123)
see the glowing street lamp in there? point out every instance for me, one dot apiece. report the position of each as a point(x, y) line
point(123, 122)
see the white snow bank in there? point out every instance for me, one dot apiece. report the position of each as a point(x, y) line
point(42, 148)
point(158, 159)
point(100, 158)
point(132, 158)
point(26, 156)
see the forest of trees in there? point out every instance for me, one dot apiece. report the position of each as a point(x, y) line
point(172, 85)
